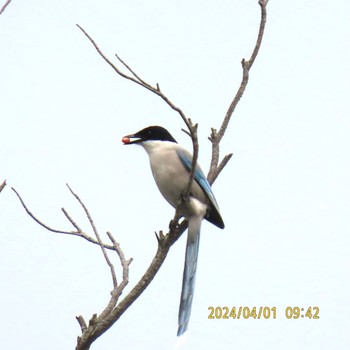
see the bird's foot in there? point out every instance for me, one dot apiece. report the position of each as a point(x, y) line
point(173, 225)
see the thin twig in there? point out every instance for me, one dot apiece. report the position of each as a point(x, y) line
point(136, 78)
point(104, 252)
point(40, 222)
point(215, 136)
point(78, 233)
point(220, 167)
point(246, 66)
point(2, 186)
point(4, 6)
point(125, 263)
point(70, 219)
point(144, 83)
point(118, 289)
point(82, 323)
point(195, 145)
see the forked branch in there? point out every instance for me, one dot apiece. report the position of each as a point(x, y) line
point(78, 231)
point(118, 288)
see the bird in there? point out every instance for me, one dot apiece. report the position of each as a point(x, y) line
point(171, 166)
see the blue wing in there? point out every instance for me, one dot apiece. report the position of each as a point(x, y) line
point(214, 213)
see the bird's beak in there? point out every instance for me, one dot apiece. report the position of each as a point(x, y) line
point(130, 139)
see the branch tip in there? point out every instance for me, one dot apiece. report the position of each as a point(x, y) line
point(215, 168)
point(186, 132)
point(4, 6)
point(2, 186)
point(82, 323)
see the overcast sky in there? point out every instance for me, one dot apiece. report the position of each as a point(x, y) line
point(284, 196)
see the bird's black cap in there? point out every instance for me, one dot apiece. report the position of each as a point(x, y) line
point(151, 133)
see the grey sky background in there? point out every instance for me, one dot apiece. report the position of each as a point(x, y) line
point(284, 196)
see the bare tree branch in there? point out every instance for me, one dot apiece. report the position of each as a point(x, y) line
point(136, 79)
point(82, 323)
point(125, 265)
point(215, 136)
point(104, 323)
point(118, 288)
point(78, 233)
point(246, 65)
point(4, 6)
point(156, 90)
point(104, 252)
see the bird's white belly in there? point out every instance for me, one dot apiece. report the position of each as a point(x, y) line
point(169, 181)
point(172, 180)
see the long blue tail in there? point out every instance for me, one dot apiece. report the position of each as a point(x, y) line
point(189, 274)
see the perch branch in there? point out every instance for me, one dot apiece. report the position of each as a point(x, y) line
point(103, 324)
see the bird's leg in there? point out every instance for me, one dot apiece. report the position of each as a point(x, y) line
point(174, 223)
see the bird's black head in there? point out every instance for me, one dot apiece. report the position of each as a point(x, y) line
point(151, 133)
